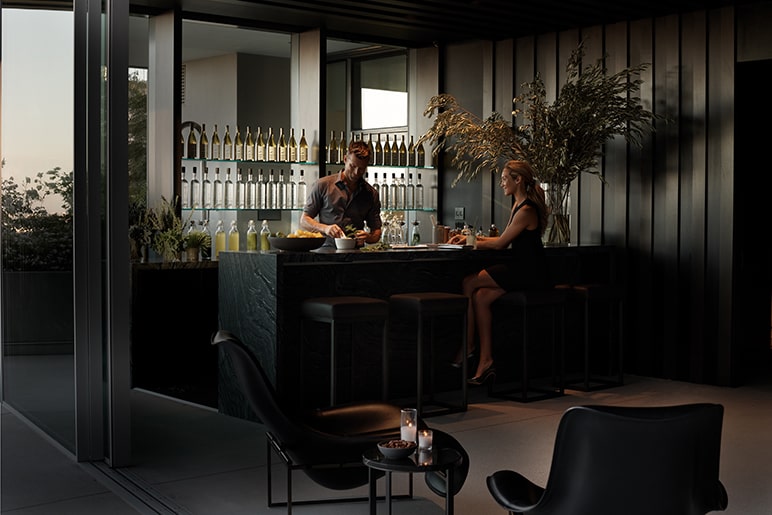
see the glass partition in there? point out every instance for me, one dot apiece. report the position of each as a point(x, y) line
point(36, 234)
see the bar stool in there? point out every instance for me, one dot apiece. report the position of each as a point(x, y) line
point(611, 296)
point(347, 310)
point(428, 307)
point(528, 303)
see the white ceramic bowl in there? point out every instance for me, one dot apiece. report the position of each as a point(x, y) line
point(345, 243)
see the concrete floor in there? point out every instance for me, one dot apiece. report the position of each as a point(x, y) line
point(193, 460)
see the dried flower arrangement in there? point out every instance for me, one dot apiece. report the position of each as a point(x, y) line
point(560, 139)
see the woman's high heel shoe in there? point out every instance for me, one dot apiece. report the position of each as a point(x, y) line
point(488, 374)
point(457, 364)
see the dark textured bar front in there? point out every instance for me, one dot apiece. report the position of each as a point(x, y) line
point(260, 294)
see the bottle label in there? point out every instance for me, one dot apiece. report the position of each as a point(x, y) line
point(303, 158)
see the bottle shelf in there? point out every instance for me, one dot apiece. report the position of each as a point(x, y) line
point(244, 162)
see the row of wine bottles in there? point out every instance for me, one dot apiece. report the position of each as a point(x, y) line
point(386, 153)
point(255, 146)
point(264, 191)
point(232, 240)
point(280, 190)
point(266, 147)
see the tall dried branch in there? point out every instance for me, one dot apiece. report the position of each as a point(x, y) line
point(560, 139)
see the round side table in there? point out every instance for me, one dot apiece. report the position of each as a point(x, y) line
point(444, 460)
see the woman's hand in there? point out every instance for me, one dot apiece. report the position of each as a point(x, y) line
point(458, 239)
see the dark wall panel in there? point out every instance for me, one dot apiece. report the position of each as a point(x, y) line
point(613, 228)
point(693, 127)
point(666, 191)
point(590, 204)
point(669, 203)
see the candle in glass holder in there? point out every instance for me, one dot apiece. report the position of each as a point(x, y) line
point(409, 425)
point(425, 439)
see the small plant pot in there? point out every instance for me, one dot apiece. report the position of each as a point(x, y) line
point(191, 254)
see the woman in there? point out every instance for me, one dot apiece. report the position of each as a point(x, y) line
point(526, 270)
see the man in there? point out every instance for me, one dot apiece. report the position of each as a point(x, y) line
point(345, 199)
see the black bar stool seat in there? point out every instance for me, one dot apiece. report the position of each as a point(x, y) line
point(612, 297)
point(551, 301)
point(428, 307)
point(347, 310)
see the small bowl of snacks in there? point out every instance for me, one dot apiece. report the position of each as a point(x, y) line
point(345, 243)
point(396, 449)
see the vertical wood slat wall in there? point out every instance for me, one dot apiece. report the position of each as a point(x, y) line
point(668, 203)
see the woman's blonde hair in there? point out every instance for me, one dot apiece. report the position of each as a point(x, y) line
point(533, 189)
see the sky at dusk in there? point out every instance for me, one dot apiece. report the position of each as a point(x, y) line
point(37, 92)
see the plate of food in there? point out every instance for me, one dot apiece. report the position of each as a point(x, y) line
point(299, 241)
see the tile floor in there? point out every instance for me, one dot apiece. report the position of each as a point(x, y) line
point(192, 460)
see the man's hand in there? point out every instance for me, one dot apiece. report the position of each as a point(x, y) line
point(334, 231)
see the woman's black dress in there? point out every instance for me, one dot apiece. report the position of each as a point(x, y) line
point(528, 267)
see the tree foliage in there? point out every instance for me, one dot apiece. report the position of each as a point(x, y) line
point(32, 238)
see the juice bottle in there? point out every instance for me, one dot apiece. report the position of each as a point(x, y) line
point(219, 240)
point(233, 237)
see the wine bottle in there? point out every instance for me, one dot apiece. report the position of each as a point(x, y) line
point(271, 188)
point(230, 191)
point(265, 232)
point(233, 236)
point(419, 194)
point(192, 144)
point(241, 190)
point(293, 147)
point(410, 196)
point(332, 149)
point(289, 202)
point(377, 152)
point(249, 146)
point(411, 153)
point(271, 146)
point(262, 193)
point(281, 192)
point(301, 190)
point(283, 154)
point(371, 148)
point(394, 192)
point(219, 240)
point(342, 147)
point(218, 194)
point(420, 156)
point(303, 147)
point(402, 152)
point(401, 192)
point(184, 190)
point(207, 190)
point(195, 191)
point(251, 202)
point(216, 148)
point(395, 152)
point(385, 197)
point(203, 145)
point(238, 146)
point(387, 151)
point(260, 146)
point(227, 151)
point(251, 236)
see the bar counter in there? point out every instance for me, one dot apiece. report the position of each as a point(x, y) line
point(260, 295)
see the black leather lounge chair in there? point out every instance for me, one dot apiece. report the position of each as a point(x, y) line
point(626, 460)
point(326, 444)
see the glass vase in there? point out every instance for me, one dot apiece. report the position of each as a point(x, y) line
point(558, 232)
